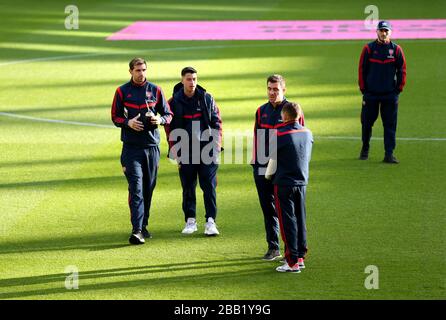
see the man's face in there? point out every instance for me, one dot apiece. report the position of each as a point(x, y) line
point(384, 34)
point(189, 81)
point(275, 92)
point(139, 73)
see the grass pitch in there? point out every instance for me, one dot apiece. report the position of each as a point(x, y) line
point(63, 196)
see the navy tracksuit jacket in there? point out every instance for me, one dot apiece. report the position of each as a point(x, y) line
point(194, 116)
point(267, 117)
point(294, 145)
point(140, 152)
point(382, 76)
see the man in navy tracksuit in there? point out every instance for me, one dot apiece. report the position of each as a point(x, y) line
point(138, 108)
point(194, 138)
point(267, 117)
point(294, 144)
point(382, 76)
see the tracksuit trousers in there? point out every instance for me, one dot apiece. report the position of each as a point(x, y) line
point(389, 113)
point(140, 166)
point(207, 177)
point(265, 191)
point(290, 205)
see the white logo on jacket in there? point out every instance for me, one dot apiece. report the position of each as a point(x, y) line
point(390, 56)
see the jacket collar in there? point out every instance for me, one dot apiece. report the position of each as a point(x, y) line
point(138, 85)
point(178, 91)
point(281, 104)
point(381, 43)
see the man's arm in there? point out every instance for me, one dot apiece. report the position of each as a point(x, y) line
point(215, 121)
point(162, 107)
point(117, 110)
point(400, 69)
point(254, 143)
point(271, 169)
point(309, 147)
point(363, 67)
point(168, 126)
point(273, 156)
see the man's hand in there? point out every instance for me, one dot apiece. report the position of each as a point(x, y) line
point(135, 124)
point(155, 120)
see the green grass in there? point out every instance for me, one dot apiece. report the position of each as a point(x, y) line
point(63, 196)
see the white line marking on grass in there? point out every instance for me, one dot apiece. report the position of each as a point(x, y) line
point(98, 125)
point(72, 56)
point(378, 138)
point(255, 45)
point(84, 55)
point(87, 124)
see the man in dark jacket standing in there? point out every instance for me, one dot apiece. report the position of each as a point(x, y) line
point(382, 76)
point(292, 156)
point(138, 108)
point(194, 138)
point(267, 118)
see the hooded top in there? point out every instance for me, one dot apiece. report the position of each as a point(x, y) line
point(201, 109)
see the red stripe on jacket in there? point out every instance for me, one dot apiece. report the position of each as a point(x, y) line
point(167, 118)
point(193, 116)
point(382, 61)
point(361, 67)
point(256, 125)
point(300, 121)
point(291, 131)
point(114, 116)
point(403, 68)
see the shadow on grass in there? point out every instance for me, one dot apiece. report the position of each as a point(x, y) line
point(80, 182)
point(58, 161)
point(92, 242)
point(148, 270)
point(94, 182)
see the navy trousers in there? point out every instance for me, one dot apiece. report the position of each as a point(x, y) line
point(207, 176)
point(290, 205)
point(140, 166)
point(388, 107)
point(265, 191)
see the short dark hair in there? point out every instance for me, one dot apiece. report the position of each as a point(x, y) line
point(136, 62)
point(188, 70)
point(276, 78)
point(293, 110)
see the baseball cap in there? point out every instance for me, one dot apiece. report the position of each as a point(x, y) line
point(384, 25)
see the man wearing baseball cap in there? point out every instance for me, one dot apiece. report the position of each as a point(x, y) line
point(382, 76)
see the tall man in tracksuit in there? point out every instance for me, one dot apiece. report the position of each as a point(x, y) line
point(382, 76)
point(293, 154)
point(138, 108)
point(268, 117)
point(194, 138)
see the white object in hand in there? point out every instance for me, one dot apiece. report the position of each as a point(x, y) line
point(271, 169)
point(150, 114)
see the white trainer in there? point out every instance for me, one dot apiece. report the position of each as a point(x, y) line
point(191, 226)
point(286, 268)
point(210, 228)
